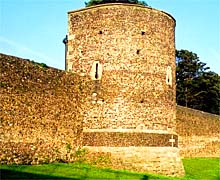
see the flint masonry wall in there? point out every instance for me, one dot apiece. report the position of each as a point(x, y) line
point(129, 53)
point(199, 133)
point(39, 113)
point(40, 120)
point(134, 46)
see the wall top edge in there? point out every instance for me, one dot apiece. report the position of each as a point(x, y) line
point(122, 4)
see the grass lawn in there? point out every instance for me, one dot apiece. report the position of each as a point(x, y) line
point(196, 169)
point(202, 168)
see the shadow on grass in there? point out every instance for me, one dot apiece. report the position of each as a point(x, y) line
point(145, 177)
point(10, 174)
point(113, 174)
point(118, 174)
point(87, 175)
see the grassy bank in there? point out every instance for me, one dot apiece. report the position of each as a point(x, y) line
point(196, 169)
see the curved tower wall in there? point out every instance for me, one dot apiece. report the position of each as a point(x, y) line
point(129, 53)
point(135, 47)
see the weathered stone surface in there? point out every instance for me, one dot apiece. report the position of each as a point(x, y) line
point(135, 46)
point(39, 113)
point(199, 133)
point(123, 139)
point(163, 160)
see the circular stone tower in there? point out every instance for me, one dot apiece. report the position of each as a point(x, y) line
point(128, 51)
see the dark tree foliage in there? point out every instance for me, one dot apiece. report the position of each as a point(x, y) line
point(196, 87)
point(96, 2)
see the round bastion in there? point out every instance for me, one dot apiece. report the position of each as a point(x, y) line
point(128, 51)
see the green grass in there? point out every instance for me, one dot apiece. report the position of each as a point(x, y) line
point(196, 169)
point(202, 168)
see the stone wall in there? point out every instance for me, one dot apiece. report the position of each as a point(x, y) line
point(41, 121)
point(143, 159)
point(134, 46)
point(39, 112)
point(199, 133)
point(129, 53)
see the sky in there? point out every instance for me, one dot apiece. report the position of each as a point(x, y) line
point(35, 29)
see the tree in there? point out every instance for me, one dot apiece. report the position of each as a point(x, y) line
point(188, 68)
point(96, 2)
point(206, 92)
point(196, 87)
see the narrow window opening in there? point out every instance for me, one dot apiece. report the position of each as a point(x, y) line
point(96, 70)
point(169, 76)
point(142, 33)
point(138, 51)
